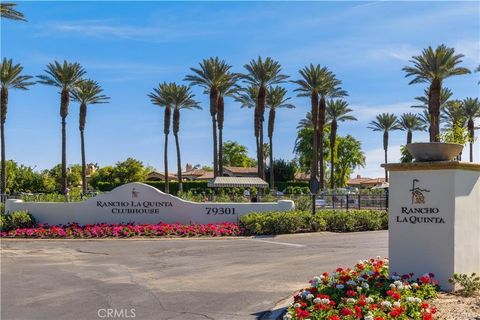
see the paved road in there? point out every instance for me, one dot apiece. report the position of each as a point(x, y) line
point(169, 279)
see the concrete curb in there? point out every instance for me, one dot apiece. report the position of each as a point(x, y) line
point(277, 312)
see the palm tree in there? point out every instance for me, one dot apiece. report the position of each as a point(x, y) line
point(247, 97)
point(182, 98)
point(452, 114)
point(410, 122)
point(162, 97)
point(384, 122)
point(10, 76)
point(227, 89)
point(432, 67)
point(7, 11)
point(478, 70)
point(318, 83)
point(212, 75)
point(445, 95)
point(471, 111)
point(67, 77)
point(87, 92)
point(338, 111)
point(275, 99)
point(262, 74)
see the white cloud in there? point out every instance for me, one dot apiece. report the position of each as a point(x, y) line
point(367, 113)
point(108, 29)
point(374, 158)
point(403, 52)
point(469, 48)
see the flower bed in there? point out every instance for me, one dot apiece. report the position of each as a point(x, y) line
point(365, 292)
point(103, 230)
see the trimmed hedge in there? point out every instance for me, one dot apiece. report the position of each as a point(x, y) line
point(16, 220)
point(324, 220)
point(160, 185)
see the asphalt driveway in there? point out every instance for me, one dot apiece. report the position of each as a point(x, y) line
point(230, 279)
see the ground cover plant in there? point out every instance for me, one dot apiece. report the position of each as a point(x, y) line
point(103, 230)
point(323, 220)
point(366, 291)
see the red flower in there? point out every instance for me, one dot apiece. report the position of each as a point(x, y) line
point(334, 318)
point(351, 293)
point(302, 313)
point(346, 312)
point(425, 279)
point(396, 312)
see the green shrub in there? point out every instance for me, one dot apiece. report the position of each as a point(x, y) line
point(304, 221)
point(21, 219)
point(470, 283)
point(4, 222)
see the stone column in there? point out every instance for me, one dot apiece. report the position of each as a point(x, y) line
point(434, 218)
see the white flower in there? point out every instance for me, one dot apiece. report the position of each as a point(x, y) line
point(410, 299)
point(369, 300)
point(339, 286)
point(360, 261)
point(367, 317)
point(396, 304)
point(415, 285)
point(398, 283)
point(359, 289)
point(365, 285)
point(418, 300)
point(297, 305)
point(325, 301)
point(392, 285)
point(317, 300)
point(386, 304)
point(351, 301)
point(310, 296)
point(287, 317)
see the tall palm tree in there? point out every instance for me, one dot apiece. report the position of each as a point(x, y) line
point(445, 95)
point(10, 76)
point(338, 111)
point(227, 89)
point(67, 77)
point(432, 67)
point(7, 11)
point(319, 83)
point(276, 99)
point(262, 74)
point(162, 97)
point(211, 75)
point(471, 111)
point(384, 122)
point(182, 98)
point(87, 92)
point(410, 122)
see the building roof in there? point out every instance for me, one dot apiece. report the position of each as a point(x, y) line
point(358, 181)
point(160, 175)
point(208, 175)
point(301, 176)
point(252, 170)
point(243, 182)
point(194, 172)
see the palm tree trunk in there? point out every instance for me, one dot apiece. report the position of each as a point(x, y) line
point(215, 147)
point(434, 110)
point(314, 106)
point(179, 164)
point(165, 159)
point(220, 119)
point(385, 148)
point(333, 132)
point(272, 179)
point(321, 123)
point(82, 121)
point(65, 97)
point(213, 114)
point(166, 131)
point(409, 136)
point(84, 164)
point(471, 134)
point(3, 115)
point(261, 110)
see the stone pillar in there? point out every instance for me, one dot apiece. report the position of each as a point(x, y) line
point(434, 218)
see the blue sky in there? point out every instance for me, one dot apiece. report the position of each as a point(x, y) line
point(129, 47)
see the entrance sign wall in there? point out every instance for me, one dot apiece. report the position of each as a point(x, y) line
point(434, 219)
point(141, 203)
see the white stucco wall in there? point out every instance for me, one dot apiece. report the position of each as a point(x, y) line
point(450, 243)
point(152, 206)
